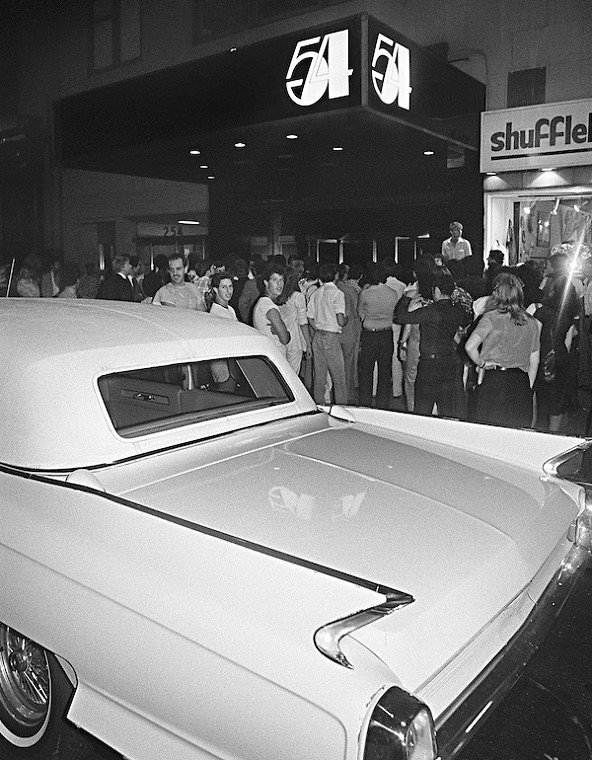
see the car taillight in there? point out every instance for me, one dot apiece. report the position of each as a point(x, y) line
point(401, 728)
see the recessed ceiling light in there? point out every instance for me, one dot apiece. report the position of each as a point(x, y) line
point(492, 174)
point(204, 166)
point(428, 153)
point(291, 137)
point(188, 221)
point(550, 169)
point(240, 145)
point(211, 176)
point(337, 147)
point(195, 152)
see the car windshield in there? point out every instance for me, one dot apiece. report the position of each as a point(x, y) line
point(143, 401)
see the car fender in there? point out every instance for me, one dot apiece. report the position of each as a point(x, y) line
point(141, 605)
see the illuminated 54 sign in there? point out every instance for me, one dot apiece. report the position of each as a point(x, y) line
point(324, 66)
point(319, 66)
point(391, 72)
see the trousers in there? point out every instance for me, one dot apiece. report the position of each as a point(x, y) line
point(376, 348)
point(328, 357)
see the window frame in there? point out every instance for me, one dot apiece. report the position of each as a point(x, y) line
point(144, 400)
point(116, 35)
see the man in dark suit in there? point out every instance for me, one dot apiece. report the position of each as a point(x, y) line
point(118, 287)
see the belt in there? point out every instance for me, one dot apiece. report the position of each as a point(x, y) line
point(328, 332)
point(497, 368)
point(377, 329)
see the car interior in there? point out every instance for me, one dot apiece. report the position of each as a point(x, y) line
point(142, 401)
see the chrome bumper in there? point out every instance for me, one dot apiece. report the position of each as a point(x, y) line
point(455, 727)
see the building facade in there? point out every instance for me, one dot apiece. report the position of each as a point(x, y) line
point(342, 130)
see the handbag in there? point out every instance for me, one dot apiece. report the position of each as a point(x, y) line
point(549, 366)
point(549, 362)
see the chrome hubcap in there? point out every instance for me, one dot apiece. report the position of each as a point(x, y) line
point(24, 679)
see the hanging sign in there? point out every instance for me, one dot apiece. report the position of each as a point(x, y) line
point(537, 137)
point(319, 66)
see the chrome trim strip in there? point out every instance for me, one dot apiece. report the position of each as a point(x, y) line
point(551, 466)
point(145, 454)
point(328, 638)
point(455, 727)
point(378, 588)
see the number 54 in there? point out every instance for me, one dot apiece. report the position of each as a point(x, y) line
point(393, 84)
point(328, 69)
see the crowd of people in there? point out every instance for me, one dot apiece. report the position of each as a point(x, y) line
point(504, 345)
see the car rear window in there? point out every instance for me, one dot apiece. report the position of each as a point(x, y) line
point(143, 401)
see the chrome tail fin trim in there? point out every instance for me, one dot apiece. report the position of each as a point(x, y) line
point(328, 638)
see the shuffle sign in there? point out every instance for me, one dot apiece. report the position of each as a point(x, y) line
point(320, 67)
point(555, 134)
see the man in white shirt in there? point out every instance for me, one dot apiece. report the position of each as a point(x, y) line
point(456, 247)
point(177, 292)
point(399, 287)
point(326, 315)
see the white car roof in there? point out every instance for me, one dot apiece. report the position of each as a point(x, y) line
point(54, 351)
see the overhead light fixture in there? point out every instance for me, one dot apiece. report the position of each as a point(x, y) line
point(195, 152)
point(491, 174)
point(204, 166)
point(425, 235)
point(188, 221)
point(291, 137)
point(549, 169)
point(211, 176)
point(337, 147)
point(233, 50)
point(240, 145)
point(428, 153)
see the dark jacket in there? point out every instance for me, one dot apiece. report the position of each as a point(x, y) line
point(116, 288)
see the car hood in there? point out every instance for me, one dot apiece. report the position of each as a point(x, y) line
point(463, 534)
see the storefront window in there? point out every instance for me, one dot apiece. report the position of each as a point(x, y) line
point(534, 227)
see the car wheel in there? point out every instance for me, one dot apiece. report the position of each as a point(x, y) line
point(32, 698)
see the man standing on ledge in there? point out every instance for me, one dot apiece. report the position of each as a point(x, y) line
point(456, 247)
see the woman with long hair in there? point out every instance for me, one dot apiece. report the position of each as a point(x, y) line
point(505, 346)
point(292, 307)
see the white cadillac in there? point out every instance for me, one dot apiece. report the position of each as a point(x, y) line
point(198, 562)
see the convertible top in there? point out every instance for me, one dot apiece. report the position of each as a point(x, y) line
point(56, 351)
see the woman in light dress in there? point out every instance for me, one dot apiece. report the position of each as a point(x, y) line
point(292, 308)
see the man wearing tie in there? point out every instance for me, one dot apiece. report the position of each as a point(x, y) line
point(118, 287)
